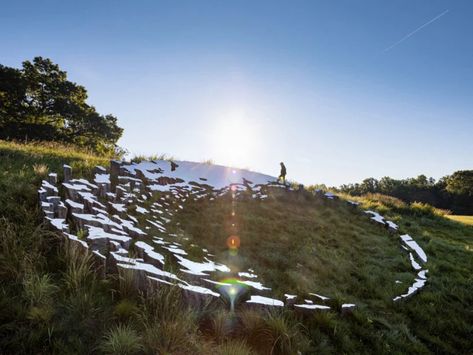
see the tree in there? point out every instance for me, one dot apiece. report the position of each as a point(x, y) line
point(454, 193)
point(38, 102)
point(461, 183)
point(420, 181)
point(369, 185)
point(12, 95)
point(387, 184)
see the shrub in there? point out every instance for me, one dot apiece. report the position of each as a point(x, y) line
point(38, 289)
point(284, 333)
point(234, 347)
point(13, 258)
point(123, 340)
point(163, 156)
point(40, 313)
point(170, 326)
point(40, 169)
point(221, 325)
point(171, 336)
point(127, 286)
point(424, 209)
point(125, 309)
point(252, 326)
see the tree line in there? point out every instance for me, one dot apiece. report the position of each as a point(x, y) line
point(37, 102)
point(453, 192)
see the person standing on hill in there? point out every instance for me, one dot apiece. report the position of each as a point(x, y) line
point(282, 175)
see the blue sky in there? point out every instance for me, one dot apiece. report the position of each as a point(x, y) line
point(316, 84)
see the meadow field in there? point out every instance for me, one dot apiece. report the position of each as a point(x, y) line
point(462, 219)
point(52, 300)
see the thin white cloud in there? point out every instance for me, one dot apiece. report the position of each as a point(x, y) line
point(415, 31)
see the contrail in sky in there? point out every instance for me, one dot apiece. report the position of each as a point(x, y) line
point(415, 31)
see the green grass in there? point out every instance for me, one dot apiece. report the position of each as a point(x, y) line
point(462, 219)
point(52, 302)
point(163, 156)
point(122, 340)
point(51, 299)
point(309, 244)
point(302, 245)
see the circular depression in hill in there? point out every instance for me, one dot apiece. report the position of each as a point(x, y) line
point(301, 245)
point(208, 228)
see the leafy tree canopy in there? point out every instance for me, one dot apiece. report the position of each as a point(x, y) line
point(454, 192)
point(461, 183)
point(38, 102)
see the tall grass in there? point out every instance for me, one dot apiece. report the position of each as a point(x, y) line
point(462, 219)
point(234, 347)
point(162, 156)
point(127, 283)
point(52, 301)
point(384, 204)
point(39, 292)
point(329, 243)
point(121, 340)
point(284, 333)
point(170, 326)
point(298, 244)
point(79, 274)
point(39, 289)
point(39, 149)
point(41, 170)
point(221, 325)
point(40, 311)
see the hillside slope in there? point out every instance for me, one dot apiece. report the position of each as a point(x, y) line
point(52, 301)
point(462, 219)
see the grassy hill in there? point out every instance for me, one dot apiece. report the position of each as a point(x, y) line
point(302, 244)
point(52, 301)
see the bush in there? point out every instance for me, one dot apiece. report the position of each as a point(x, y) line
point(79, 274)
point(122, 340)
point(170, 326)
point(38, 289)
point(252, 326)
point(284, 333)
point(424, 209)
point(125, 309)
point(234, 347)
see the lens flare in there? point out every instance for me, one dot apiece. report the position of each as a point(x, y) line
point(233, 242)
point(233, 252)
point(232, 289)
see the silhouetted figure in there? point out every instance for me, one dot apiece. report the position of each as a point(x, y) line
point(282, 175)
point(173, 166)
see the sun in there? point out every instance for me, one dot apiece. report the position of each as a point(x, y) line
point(235, 140)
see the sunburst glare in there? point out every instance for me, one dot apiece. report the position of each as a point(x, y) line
point(235, 139)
